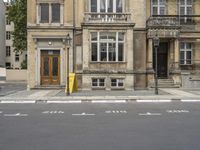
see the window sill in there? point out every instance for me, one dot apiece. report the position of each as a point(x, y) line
point(98, 88)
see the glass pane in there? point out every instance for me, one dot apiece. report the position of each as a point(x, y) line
point(55, 12)
point(110, 5)
point(189, 10)
point(94, 36)
point(188, 45)
point(182, 2)
point(121, 36)
point(102, 5)
point(101, 82)
point(103, 51)
point(182, 45)
point(120, 82)
point(188, 55)
point(112, 36)
point(118, 6)
point(112, 52)
point(182, 57)
point(94, 82)
point(44, 13)
point(94, 52)
point(55, 66)
point(46, 66)
point(162, 10)
point(162, 2)
point(155, 2)
point(113, 82)
point(155, 11)
point(120, 52)
point(93, 5)
point(182, 10)
point(189, 2)
point(103, 36)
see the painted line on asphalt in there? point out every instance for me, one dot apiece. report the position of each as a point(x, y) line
point(149, 114)
point(190, 100)
point(64, 102)
point(16, 115)
point(154, 101)
point(17, 102)
point(83, 114)
point(109, 101)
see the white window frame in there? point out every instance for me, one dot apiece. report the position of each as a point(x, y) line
point(185, 50)
point(159, 6)
point(8, 51)
point(185, 6)
point(107, 50)
point(117, 82)
point(98, 83)
point(99, 4)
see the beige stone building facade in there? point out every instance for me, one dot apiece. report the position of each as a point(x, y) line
point(112, 42)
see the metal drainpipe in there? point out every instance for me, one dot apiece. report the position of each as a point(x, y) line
point(74, 30)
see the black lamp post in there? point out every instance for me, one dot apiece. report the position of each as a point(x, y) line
point(156, 42)
point(68, 43)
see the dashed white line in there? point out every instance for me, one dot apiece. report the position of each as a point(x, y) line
point(149, 114)
point(109, 101)
point(16, 115)
point(192, 100)
point(17, 102)
point(83, 114)
point(64, 102)
point(153, 101)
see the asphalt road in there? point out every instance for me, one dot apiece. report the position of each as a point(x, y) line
point(131, 126)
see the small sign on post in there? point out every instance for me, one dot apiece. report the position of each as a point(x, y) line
point(73, 85)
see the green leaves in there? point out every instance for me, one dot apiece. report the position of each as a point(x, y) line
point(17, 13)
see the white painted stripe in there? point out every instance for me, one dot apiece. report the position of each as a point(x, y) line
point(17, 102)
point(150, 114)
point(15, 115)
point(108, 101)
point(83, 114)
point(64, 102)
point(153, 101)
point(190, 100)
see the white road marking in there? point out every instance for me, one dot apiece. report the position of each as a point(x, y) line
point(83, 114)
point(64, 102)
point(16, 115)
point(1, 112)
point(53, 112)
point(192, 100)
point(150, 114)
point(178, 111)
point(116, 111)
point(153, 101)
point(17, 102)
point(108, 101)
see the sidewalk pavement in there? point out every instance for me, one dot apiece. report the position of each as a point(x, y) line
point(18, 92)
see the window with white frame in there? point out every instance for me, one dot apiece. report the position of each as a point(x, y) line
point(107, 46)
point(185, 53)
point(49, 13)
point(106, 6)
point(186, 9)
point(98, 82)
point(117, 83)
point(8, 35)
point(158, 7)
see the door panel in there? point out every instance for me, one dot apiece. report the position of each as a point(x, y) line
point(50, 68)
point(162, 60)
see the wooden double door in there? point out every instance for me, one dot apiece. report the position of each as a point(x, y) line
point(50, 67)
